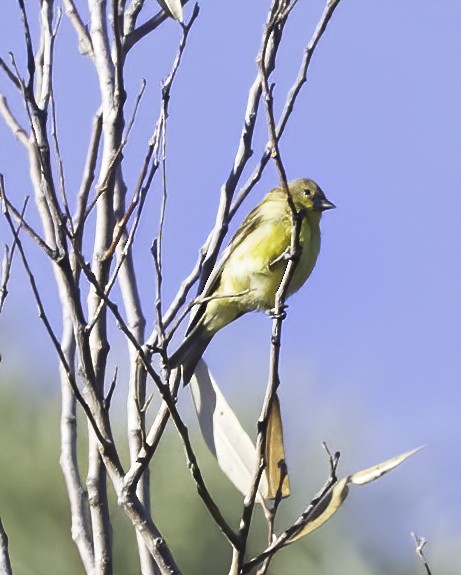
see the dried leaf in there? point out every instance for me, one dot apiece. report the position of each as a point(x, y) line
point(333, 500)
point(327, 506)
point(174, 8)
point(375, 472)
point(275, 454)
point(223, 433)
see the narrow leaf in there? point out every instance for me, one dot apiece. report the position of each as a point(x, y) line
point(223, 433)
point(327, 507)
point(277, 475)
point(174, 8)
point(377, 471)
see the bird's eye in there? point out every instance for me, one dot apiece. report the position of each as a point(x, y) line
point(308, 192)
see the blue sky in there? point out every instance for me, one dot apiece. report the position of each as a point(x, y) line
point(371, 347)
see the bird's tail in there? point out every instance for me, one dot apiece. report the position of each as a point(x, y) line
point(188, 354)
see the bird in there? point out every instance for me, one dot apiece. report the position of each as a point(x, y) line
point(251, 268)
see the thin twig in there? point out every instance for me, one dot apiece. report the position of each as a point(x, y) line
point(330, 6)
point(19, 217)
point(121, 224)
point(10, 74)
point(118, 56)
point(289, 103)
point(57, 148)
point(29, 49)
point(271, 513)
point(139, 33)
point(152, 439)
point(78, 496)
point(110, 393)
point(420, 543)
point(302, 520)
point(44, 56)
point(88, 174)
point(273, 26)
point(166, 92)
point(7, 261)
point(123, 253)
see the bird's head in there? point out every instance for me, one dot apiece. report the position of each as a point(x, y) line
point(309, 196)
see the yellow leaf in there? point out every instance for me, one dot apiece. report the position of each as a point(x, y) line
point(275, 454)
point(377, 471)
point(328, 505)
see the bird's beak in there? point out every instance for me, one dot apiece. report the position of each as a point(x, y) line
point(325, 204)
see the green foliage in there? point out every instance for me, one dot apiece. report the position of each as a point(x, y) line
point(35, 510)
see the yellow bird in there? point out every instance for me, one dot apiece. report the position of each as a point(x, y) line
point(251, 268)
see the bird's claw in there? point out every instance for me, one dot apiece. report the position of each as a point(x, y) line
point(280, 313)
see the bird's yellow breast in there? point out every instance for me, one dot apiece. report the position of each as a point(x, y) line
point(310, 243)
point(252, 274)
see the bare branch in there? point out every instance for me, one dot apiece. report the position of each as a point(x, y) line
point(149, 447)
point(274, 26)
point(11, 122)
point(131, 15)
point(102, 58)
point(62, 181)
point(5, 564)
point(10, 74)
point(44, 56)
point(420, 543)
point(7, 261)
point(271, 513)
point(108, 399)
point(117, 55)
point(29, 49)
point(88, 174)
point(121, 223)
point(84, 39)
point(19, 217)
point(112, 128)
point(78, 497)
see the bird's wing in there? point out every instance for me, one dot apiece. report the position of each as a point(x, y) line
point(251, 223)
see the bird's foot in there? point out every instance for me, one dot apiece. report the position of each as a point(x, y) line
point(279, 313)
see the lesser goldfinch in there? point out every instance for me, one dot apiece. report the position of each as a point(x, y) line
point(251, 268)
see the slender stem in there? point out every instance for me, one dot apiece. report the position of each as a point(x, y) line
point(300, 523)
